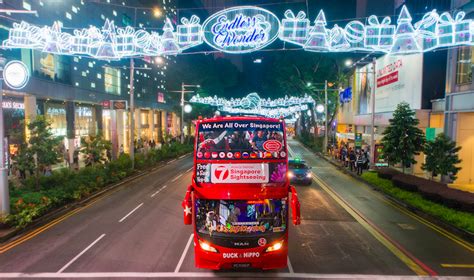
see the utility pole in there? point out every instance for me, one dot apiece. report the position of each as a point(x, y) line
point(326, 117)
point(4, 192)
point(132, 114)
point(372, 117)
point(181, 122)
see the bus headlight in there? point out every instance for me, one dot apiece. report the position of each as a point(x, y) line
point(207, 247)
point(275, 247)
point(290, 174)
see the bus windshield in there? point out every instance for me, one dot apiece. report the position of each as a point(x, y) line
point(240, 217)
point(240, 140)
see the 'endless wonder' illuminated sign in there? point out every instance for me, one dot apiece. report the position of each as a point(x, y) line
point(241, 29)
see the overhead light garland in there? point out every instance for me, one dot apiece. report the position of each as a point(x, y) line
point(433, 31)
point(253, 104)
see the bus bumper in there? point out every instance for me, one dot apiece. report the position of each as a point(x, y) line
point(229, 258)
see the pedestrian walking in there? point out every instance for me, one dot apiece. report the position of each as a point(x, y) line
point(360, 162)
point(352, 158)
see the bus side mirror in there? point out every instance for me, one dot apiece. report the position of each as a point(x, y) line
point(295, 207)
point(188, 206)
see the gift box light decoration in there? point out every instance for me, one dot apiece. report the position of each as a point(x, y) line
point(433, 31)
point(294, 29)
point(189, 32)
point(253, 104)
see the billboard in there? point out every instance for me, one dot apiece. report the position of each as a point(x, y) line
point(397, 79)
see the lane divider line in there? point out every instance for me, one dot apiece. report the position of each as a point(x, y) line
point(183, 255)
point(171, 161)
point(457, 265)
point(290, 267)
point(131, 212)
point(177, 177)
point(401, 253)
point(80, 254)
point(158, 191)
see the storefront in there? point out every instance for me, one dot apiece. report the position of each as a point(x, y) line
point(355, 113)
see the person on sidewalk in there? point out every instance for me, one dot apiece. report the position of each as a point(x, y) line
point(360, 161)
point(352, 159)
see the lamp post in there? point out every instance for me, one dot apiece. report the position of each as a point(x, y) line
point(326, 117)
point(372, 117)
point(132, 114)
point(181, 123)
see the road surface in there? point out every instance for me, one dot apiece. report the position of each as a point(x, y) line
point(137, 231)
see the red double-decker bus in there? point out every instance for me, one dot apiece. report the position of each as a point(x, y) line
point(240, 195)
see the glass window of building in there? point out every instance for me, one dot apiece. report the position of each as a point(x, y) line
point(112, 80)
point(56, 114)
point(85, 124)
point(52, 67)
point(464, 65)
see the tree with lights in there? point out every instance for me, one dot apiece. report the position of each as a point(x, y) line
point(442, 158)
point(402, 139)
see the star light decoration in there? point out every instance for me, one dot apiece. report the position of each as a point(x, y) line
point(252, 104)
point(111, 43)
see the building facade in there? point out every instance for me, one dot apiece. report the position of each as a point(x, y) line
point(82, 96)
point(459, 103)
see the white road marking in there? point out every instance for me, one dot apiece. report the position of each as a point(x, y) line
point(182, 156)
point(158, 191)
point(183, 255)
point(130, 213)
point(207, 275)
point(177, 177)
point(290, 267)
point(79, 255)
point(173, 160)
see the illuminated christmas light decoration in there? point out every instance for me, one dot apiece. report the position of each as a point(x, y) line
point(241, 29)
point(189, 32)
point(252, 104)
point(246, 29)
point(294, 29)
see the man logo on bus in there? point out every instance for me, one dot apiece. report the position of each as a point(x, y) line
point(221, 173)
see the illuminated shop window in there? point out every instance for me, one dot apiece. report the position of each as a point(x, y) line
point(112, 80)
point(464, 65)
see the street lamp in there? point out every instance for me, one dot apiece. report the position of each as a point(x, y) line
point(188, 108)
point(348, 62)
point(157, 12)
point(183, 91)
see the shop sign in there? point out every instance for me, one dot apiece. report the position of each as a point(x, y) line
point(105, 104)
point(241, 29)
point(13, 105)
point(119, 105)
point(379, 156)
point(84, 111)
point(16, 74)
point(51, 111)
point(358, 140)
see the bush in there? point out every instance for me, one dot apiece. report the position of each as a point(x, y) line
point(387, 173)
point(65, 186)
point(460, 219)
point(434, 191)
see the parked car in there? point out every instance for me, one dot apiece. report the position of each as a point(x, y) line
point(299, 172)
